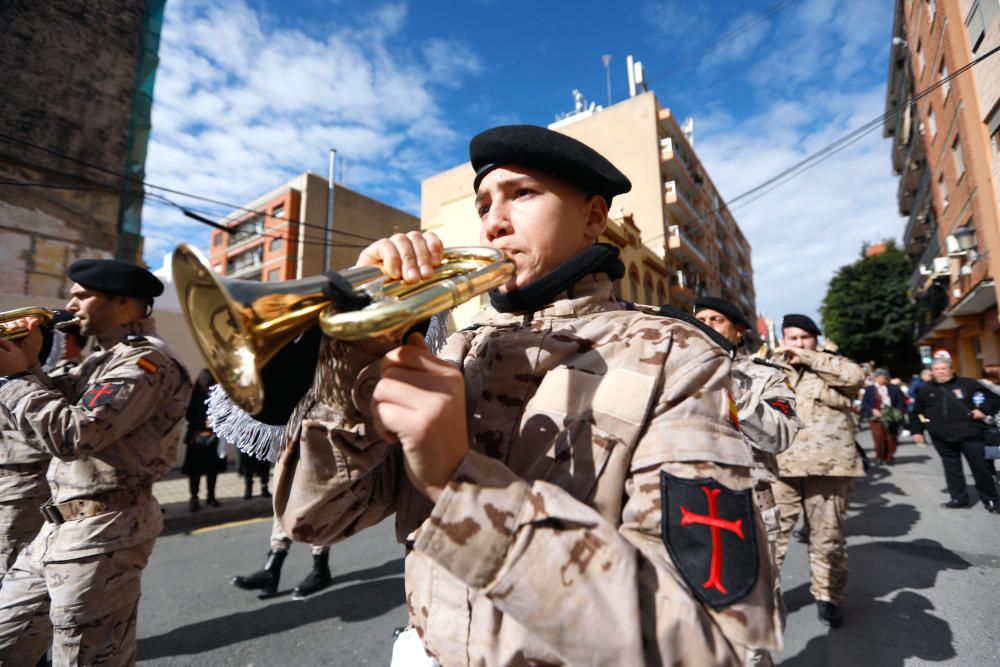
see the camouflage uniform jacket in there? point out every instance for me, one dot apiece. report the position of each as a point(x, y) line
point(766, 405)
point(22, 468)
point(546, 546)
point(825, 384)
point(112, 425)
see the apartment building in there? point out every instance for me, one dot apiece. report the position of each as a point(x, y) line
point(677, 239)
point(77, 92)
point(946, 158)
point(283, 235)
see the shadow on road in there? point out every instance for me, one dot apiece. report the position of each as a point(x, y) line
point(906, 628)
point(353, 603)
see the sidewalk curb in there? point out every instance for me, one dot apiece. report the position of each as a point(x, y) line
point(177, 518)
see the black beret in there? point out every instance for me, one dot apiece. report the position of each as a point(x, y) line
point(554, 153)
point(721, 306)
point(113, 276)
point(803, 322)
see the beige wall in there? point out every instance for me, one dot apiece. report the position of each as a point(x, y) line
point(626, 134)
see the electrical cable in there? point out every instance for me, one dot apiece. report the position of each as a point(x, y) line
point(824, 153)
point(146, 184)
point(723, 40)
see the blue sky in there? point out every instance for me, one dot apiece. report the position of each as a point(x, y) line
point(252, 92)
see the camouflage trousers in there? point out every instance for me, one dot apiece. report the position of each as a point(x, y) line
point(20, 521)
point(824, 500)
point(84, 609)
point(763, 499)
point(280, 541)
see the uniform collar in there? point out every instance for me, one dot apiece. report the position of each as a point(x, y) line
point(111, 337)
point(590, 294)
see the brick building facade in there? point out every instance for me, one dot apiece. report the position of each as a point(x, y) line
point(74, 120)
point(943, 153)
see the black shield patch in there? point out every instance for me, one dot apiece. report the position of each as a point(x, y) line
point(100, 393)
point(709, 531)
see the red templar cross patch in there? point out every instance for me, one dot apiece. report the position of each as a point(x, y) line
point(709, 531)
point(100, 393)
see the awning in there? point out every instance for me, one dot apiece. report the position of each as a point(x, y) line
point(980, 298)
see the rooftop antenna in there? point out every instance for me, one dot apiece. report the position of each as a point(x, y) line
point(607, 73)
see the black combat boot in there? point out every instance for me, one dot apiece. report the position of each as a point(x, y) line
point(316, 580)
point(829, 613)
point(265, 580)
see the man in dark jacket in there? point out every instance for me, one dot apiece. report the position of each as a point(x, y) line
point(953, 409)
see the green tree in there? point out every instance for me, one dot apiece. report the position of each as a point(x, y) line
point(867, 310)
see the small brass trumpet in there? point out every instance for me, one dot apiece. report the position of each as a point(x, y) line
point(248, 331)
point(54, 319)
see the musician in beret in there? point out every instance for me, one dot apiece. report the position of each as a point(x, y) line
point(557, 469)
point(766, 404)
point(816, 471)
point(111, 425)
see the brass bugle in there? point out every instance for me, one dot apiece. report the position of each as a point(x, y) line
point(44, 315)
point(242, 326)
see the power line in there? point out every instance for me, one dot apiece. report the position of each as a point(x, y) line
point(724, 39)
point(828, 151)
point(145, 184)
point(194, 214)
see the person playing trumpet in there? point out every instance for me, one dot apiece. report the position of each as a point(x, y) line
point(560, 470)
point(112, 425)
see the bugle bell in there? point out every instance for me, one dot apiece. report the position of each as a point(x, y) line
point(253, 335)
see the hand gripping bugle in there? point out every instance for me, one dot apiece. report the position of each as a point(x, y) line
point(254, 336)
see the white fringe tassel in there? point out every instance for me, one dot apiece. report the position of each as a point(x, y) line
point(230, 423)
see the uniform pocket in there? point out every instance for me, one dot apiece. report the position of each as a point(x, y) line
point(580, 420)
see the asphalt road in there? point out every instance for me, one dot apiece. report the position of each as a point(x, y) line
point(191, 615)
point(924, 589)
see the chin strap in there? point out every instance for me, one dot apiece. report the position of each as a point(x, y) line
point(598, 258)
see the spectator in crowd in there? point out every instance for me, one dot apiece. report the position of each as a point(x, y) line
point(882, 407)
point(204, 455)
point(955, 410)
point(250, 467)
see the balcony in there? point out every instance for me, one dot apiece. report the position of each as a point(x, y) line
point(923, 267)
point(683, 288)
point(679, 244)
point(678, 205)
point(909, 183)
point(674, 161)
point(921, 219)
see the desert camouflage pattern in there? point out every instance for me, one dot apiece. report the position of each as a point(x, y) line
point(280, 541)
point(825, 502)
point(546, 547)
point(104, 462)
point(824, 387)
point(84, 609)
point(125, 444)
point(22, 489)
point(765, 428)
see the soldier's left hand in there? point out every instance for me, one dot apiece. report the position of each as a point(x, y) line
point(420, 401)
point(12, 359)
point(791, 354)
point(978, 415)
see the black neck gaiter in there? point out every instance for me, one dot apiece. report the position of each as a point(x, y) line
point(598, 258)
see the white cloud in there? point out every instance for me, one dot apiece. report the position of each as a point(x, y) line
point(243, 103)
point(804, 231)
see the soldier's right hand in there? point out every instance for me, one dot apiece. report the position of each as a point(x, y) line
point(917, 438)
point(411, 256)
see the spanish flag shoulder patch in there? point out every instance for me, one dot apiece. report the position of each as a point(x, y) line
point(148, 365)
point(734, 413)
